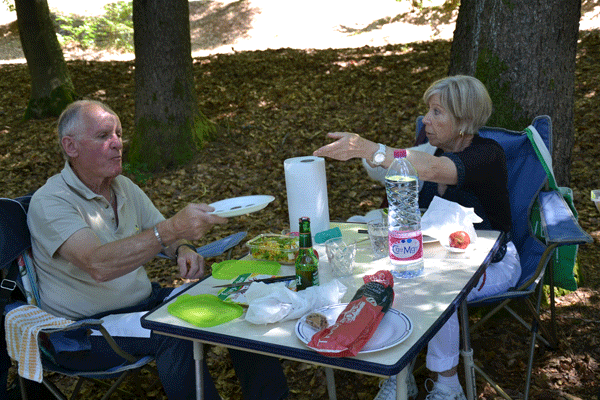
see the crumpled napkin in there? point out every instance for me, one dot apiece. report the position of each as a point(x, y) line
point(444, 217)
point(274, 302)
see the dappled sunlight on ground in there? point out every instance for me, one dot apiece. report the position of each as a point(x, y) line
point(227, 26)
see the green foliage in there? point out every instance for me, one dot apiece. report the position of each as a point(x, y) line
point(139, 173)
point(113, 30)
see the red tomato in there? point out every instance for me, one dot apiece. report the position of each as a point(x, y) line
point(459, 239)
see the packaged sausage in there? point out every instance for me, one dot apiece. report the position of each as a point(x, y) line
point(359, 320)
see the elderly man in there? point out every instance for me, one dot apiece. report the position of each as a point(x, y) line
point(92, 230)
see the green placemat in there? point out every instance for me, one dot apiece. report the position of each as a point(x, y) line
point(204, 310)
point(231, 269)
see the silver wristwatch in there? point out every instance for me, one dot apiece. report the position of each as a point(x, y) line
point(379, 155)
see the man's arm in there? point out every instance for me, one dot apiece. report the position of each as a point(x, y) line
point(105, 262)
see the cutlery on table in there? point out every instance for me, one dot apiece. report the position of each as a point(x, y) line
point(265, 280)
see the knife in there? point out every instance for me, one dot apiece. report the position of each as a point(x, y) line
point(265, 280)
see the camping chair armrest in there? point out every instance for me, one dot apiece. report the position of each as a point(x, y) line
point(58, 342)
point(217, 247)
point(559, 225)
point(84, 323)
point(220, 246)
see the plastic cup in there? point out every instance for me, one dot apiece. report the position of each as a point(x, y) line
point(340, 256)
point(378, 234)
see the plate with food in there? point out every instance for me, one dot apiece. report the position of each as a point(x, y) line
point(273, 247)
point(394, 328)
point(240, 205)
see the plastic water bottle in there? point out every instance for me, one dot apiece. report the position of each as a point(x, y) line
point(404, 217)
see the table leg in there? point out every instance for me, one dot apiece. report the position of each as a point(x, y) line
point(401, 387)
point(330, 383)
point(467, 352)
point(199, 361)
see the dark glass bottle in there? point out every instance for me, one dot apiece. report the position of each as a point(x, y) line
point(307, 263)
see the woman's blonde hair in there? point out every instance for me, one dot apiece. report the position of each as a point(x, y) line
point(466, 98)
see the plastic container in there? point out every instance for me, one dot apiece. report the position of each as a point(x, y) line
point(404, 218)
point(272, 247)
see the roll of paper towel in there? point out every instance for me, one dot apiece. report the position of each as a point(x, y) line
point(306, 186)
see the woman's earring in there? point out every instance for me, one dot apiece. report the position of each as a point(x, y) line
point(461, 133)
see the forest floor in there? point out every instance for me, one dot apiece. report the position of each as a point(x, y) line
point(270, 104)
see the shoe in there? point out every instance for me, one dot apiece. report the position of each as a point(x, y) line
point(444, 392)
point(387, 389)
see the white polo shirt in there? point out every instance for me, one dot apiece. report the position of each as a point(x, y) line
point(65, 205)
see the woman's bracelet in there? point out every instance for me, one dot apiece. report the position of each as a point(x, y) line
point(184, 245)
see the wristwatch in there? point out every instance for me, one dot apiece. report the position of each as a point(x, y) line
point(379, 155)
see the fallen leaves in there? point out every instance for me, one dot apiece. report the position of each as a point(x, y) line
point(276, 104)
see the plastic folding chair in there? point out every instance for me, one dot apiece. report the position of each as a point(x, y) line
point(527, 184)
point(19, 272)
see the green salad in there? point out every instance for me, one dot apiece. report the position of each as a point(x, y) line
point(271, 247)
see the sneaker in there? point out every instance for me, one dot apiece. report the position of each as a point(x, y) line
point(387, 389)
point(444, 392)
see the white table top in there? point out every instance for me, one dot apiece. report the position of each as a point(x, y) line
point(427, 300)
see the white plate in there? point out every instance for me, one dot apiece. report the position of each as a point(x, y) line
point(429, 239)
point(240, 205)
point(393, 329)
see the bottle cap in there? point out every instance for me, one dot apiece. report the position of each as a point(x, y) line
point(400, 153)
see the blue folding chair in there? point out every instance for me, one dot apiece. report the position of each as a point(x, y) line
point(218, 247)
point(18, 272)
point(527, 184)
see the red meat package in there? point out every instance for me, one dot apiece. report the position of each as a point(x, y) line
point(359, 320)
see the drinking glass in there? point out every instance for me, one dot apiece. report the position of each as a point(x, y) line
point(378, 234)
point(340, 255)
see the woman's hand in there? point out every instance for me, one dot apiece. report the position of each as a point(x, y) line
point(347, 146)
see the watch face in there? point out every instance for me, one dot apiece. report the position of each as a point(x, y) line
point(379, 158)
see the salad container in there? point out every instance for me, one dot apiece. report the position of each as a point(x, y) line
point(273, 247)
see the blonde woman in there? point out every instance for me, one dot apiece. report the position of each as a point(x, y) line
point(462, 167)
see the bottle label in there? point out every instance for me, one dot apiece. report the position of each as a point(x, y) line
point(406, 245)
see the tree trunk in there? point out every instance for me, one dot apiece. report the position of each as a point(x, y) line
point(524, 52)
point(51, 86)
point(168, 124)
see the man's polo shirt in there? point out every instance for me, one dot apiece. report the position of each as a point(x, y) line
point(63, 206)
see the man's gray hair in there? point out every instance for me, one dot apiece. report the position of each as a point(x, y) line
point(71, 121)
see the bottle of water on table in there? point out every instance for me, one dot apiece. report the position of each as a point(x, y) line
point(404, 217)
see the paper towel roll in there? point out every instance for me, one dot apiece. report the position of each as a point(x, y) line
point(306, 186)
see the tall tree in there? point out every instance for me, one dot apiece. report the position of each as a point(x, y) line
point(51, 86)
point(168, 124)
point(524, 52)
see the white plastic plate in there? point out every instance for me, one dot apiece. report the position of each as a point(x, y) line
point(241, 205)
point(393, 329)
